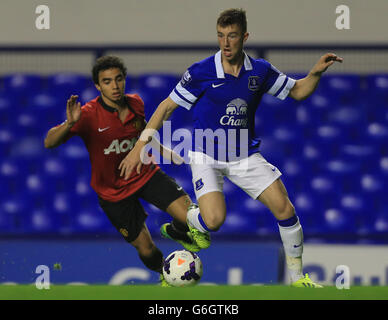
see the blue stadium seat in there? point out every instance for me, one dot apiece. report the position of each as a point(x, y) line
point(360, 208)
point(345, 88)
point(88, 94)
point(7, 139)
point(7, 110)
point(91, 219)
point(158, 85)
point(64, 206)
point(351, 118)
point(353, 202)
point(239, 223)
point(49, 107)
point(29, 123)
point(297, 172)
point(22, 83)
point(314, 154)
point(257, 218)
point(318, 106)
point(380, 223)
point(377, 133)
point(339, 221)
point(377, 87)
point(346, 172)
point(28, 147)
point(373, 187)
point(342, 168)
point(362, 152)
point(309, 209)
point(10, 173)
point(329, 138)
point(383, 166)
point(75, 151)
point(42, 221)
point(272, 149)
point(64, 84)
point(373, 183)
point(326, 188)
point(305, 119)
point(288, 138)
point(63, 203)
point(12, 209)
point(81, 186)
point(58, 174)
point(275, 110)
point(36, 184)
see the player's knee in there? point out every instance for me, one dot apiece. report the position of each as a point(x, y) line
point(214, 222)
point(286, 211)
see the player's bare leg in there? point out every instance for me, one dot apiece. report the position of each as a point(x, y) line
point(213, 209)
point(275, 198)
point(149, 253)
point(209, 216)
point(178, 230)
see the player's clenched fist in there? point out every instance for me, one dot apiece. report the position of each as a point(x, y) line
point(73, 110)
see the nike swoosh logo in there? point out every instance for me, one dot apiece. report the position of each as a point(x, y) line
point(217, 85)
point(101, 130)
point(273, 169)
point(297, 245)
point(179, 189)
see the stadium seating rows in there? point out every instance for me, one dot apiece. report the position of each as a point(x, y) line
point(331, 148)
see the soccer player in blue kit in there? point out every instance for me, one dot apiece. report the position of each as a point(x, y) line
point(224, 91)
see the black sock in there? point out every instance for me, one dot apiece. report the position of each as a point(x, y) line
point(179, 226)
point(178, 230)
point(154, 261)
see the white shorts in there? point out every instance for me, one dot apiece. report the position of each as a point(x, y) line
point(253, 174)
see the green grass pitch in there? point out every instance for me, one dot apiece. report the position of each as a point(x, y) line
point(220, 292)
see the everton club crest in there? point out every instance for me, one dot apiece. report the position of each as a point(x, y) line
point(253, 83)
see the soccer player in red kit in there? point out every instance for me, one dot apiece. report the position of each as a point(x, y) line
point(110, 125)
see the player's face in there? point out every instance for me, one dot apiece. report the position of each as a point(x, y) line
point(111, 84)
point(231, 41)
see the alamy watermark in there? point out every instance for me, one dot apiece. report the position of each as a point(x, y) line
point(343, 277)
point(225, 145)
point(42, 21)
point(43, 280)
point(343, 19)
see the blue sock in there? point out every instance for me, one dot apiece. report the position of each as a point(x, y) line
point(203, 224)
point(288, 222)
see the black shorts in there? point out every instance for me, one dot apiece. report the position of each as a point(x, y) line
point(128, 215)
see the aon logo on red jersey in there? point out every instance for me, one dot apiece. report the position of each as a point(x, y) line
point(119, 147)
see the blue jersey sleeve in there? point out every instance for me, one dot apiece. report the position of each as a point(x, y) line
point(277, 83)
point(188, 89)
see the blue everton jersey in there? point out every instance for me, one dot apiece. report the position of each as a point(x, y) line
point(224, 106)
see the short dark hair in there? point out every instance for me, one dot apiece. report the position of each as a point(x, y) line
point(105, 63)
point(233, 16)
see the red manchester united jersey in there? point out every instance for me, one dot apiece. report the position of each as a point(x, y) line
point(108, 141)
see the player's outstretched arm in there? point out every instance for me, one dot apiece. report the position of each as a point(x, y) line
point(303, 88)
point(167, 153)
point(56, 134)
point(133, 160)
